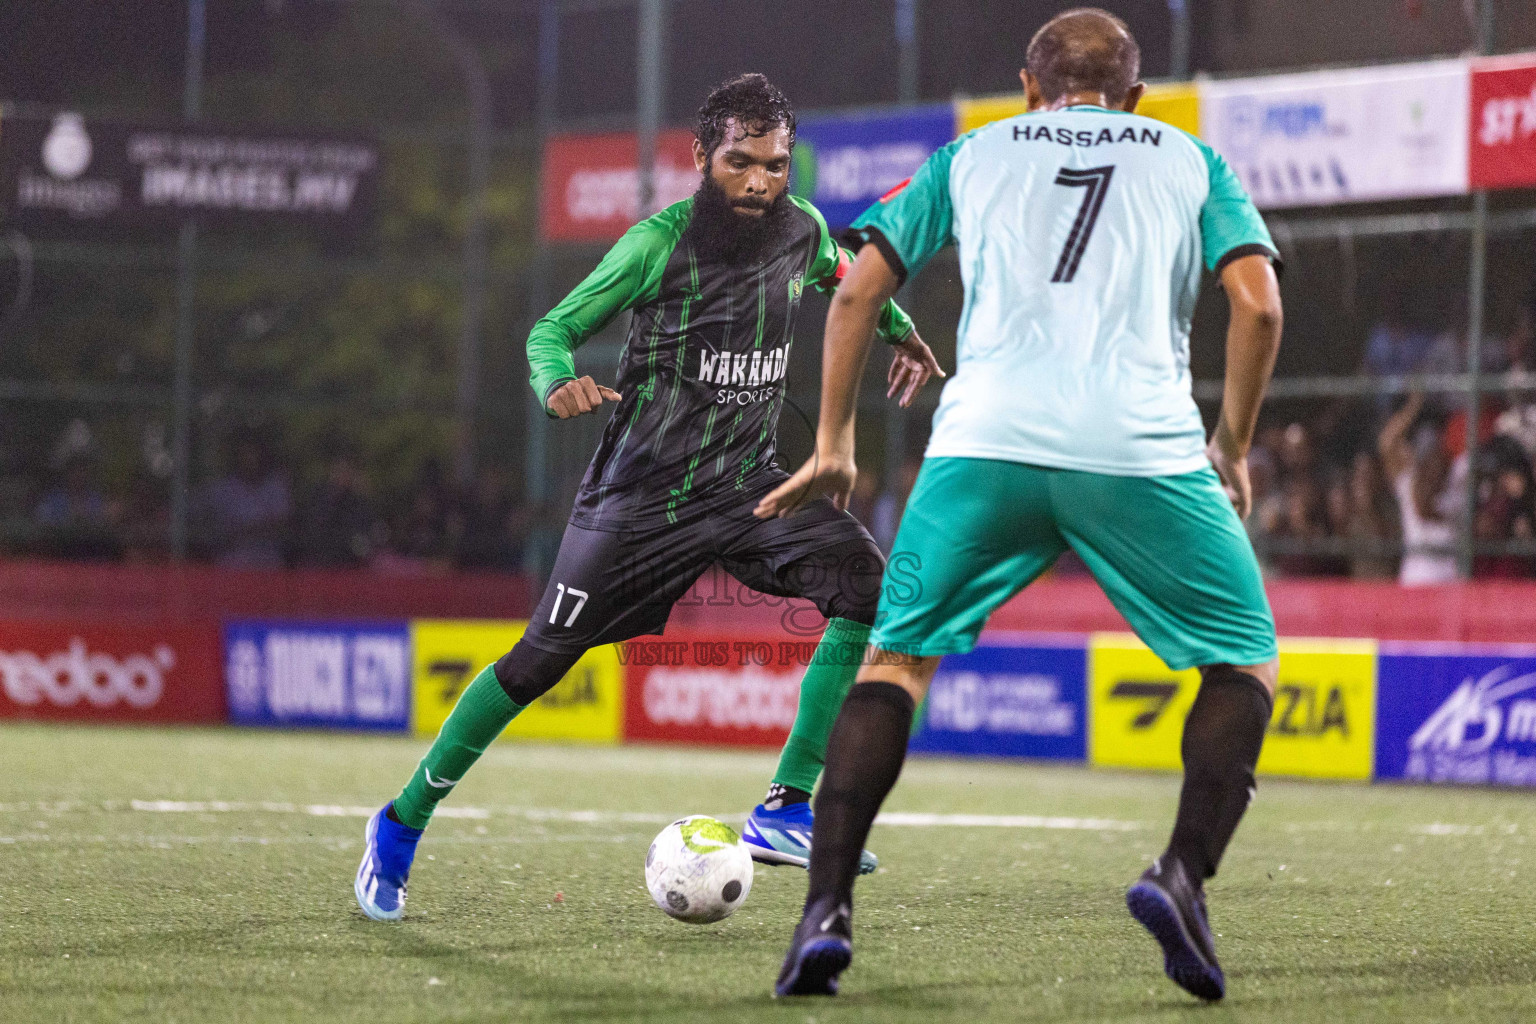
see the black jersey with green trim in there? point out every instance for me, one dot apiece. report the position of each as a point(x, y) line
point(702, 372)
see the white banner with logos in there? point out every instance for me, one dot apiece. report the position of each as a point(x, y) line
point(1392, 132)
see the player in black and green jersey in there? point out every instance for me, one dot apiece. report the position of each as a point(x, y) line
point(715, 284)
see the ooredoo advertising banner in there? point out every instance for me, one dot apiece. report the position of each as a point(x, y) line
point(1323, 724)
point(1176, 103)
point(332, 675)
point(717, 689)
point(586, 706)
point(1391, 132)
point(89, 672)
point(68, 171)
point(1503, 129)
point(843, 164)
point(1015, 695)
point(1459, 715)
point(591, 183)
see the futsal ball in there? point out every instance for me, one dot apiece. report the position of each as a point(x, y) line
point(698, 870)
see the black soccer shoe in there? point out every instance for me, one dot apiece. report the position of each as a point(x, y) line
point(1173, 909)
point(821, 950)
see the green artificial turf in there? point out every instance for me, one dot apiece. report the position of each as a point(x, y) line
point(1336, 903)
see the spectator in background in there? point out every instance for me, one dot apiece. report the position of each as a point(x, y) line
point(247, 511)
point(423, 536)
point(1506, 508)
point(1420, 472)
point(337, 526)
point(146, 524)
point(1372, 521)
point(74, 517)
point(493, 528)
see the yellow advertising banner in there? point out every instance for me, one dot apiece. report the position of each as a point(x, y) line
point(1324, 724)
point(1177, 103)
point(586, 706)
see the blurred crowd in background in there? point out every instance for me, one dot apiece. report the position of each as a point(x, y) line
point(1372, 488)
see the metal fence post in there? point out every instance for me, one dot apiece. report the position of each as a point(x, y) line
point(652, 71)
point(1477, 282)
point(1179, 39)
point(186, 299)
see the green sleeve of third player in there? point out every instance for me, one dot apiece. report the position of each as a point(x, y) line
point(1230, 225)
point(911, 224)
point(629, 276)
point(829, 265)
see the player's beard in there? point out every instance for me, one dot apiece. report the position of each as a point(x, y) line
point(720, 234)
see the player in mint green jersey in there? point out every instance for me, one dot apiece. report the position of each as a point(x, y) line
point(1083, 231)
point(715, 284)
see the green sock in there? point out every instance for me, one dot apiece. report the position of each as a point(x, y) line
point(827, 681)
point(483, 711)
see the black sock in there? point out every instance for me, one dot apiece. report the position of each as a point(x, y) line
point(780, 797)
point(864, 756)
point(1222, 738)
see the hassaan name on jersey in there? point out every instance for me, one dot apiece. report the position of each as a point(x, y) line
point(1067, 137)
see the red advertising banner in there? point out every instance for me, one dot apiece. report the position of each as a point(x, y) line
point(591, 182)
point(715, 689)
point(105, 673)
point(1503, 122)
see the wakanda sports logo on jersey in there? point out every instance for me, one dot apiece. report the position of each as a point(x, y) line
point(743, 369)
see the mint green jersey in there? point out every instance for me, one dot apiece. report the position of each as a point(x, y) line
point(1082, 236)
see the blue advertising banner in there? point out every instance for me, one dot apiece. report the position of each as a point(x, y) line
point(1013, 696)
point(336, 675)
point(1461, 715)
point(843, 164)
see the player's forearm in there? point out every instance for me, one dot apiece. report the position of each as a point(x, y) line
point(851, 323)
point(551, 358)
point(1253, 342)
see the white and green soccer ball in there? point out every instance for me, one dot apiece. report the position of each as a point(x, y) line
point(698, 870)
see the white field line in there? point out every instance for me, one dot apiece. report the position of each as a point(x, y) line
point(898, 819)
point(909, 820)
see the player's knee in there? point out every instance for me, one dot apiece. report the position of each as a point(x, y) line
point(855, 570)
point(1266, 674)
point(527, 672)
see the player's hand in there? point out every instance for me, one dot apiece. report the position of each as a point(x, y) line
point(1231, 465)
point(580, 396)
point(912, 365)
point(819, 476)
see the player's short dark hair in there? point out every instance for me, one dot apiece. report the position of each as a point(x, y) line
point(1084, 50)
point(754, 103)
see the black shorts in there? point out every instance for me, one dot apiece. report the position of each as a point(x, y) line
point(608, 586)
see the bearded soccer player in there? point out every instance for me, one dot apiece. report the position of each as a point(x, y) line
point(715, 284)
point(1083, 231)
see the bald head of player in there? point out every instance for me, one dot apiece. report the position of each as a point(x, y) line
point(1083, 56)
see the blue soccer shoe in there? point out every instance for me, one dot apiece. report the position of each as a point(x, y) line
point(784, 837)
point(821, 950)
point(1170, 906)
point(388, 849)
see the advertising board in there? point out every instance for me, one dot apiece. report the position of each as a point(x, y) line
point(843, 164)
point(1323, 724)
point(1502, 139)
point(590, 190)
point(329, 675)
point(70, 171)
point(68, 671)
point(586, 706)
point(714, 688)
point(1176, 103)
point(1015, 695)
point(1361, 134)
point(1457, 714)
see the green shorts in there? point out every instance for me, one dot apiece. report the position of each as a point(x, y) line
point(1169, 551)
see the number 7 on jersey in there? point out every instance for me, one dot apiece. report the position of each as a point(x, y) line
point(1096, 181)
